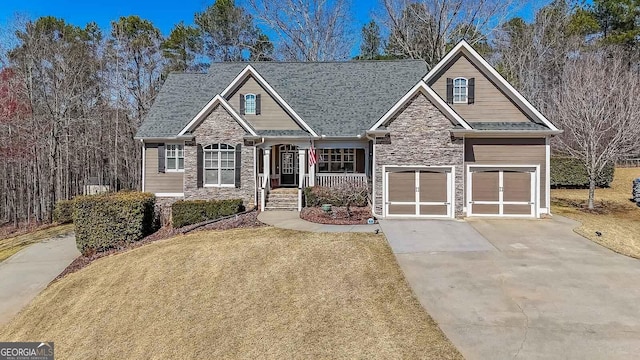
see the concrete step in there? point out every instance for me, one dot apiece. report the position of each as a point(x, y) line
point(282, 196)
point(282, 203)
point(281, 208)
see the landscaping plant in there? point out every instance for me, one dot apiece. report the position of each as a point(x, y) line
point(190, 212)
point(113, 220)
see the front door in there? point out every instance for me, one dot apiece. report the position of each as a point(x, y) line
point(288, 165)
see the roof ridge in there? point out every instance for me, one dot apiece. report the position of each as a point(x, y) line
point(315, 62)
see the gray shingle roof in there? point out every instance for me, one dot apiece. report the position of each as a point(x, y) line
point(333, 98)
point(507, 126)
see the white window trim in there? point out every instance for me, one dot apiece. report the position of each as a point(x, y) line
point(219, 169)
point(342, 162)
point(255, 104)
point(466, 91)
point(166, 157)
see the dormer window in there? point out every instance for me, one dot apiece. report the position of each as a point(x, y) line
point(460, 90)
point(250, 104)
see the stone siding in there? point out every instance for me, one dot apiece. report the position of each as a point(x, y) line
point(163, 209)
point(219, 127)
point(420, 136)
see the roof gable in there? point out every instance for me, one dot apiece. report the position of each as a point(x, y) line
point(463, 48)
point(491, 103)
point(436, 100)
point(249, 71)
point(207, 109)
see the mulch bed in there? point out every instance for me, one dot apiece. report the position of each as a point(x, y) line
point(247, 220)
point(337, 216)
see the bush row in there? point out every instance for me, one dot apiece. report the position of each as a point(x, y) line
point(344, 195)
point(113, 220)
point(187, 212)
point(570, 172)
point(63, 211)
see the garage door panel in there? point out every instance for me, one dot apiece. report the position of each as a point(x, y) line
point(395, 209)
point(517, 209)
point(485, 186)
point(402, 186)
point(433, 210)
point(486, 209)
point(501, 191)
point(433, 186)
point(517, 186)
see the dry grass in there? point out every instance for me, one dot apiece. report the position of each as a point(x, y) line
point(12, 245)
point(617, 218)
point(266, 293)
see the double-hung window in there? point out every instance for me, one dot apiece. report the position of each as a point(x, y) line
point(337, 160)
point(219, 165)
point(174, 155)
point(460, 90)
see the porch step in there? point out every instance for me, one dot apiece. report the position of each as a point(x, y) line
point(282, 199)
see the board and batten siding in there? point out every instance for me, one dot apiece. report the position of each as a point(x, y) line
point(490, 104)
point(505, 151)
point(272, 115)
point(155, 181)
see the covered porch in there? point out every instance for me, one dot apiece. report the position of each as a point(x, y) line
point(282, 164)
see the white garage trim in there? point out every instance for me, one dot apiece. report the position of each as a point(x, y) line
point(450, 172)
point(535, 191)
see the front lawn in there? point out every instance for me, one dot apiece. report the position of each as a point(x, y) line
point(245, 293)
point(616, 217)
point(14, 244)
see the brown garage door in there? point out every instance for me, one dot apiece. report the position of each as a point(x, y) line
point(502, 192)
point(419, 192)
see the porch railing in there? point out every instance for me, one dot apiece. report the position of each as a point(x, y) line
point(329, 179)
point(333, 180)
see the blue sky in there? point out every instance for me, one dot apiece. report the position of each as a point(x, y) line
point(163, 13)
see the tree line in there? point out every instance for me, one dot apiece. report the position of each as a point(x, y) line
point(72, 97)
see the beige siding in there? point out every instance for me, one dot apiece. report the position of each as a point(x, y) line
point(509, 152)
point(157, 182)
point(490, 103)
point(272, 115)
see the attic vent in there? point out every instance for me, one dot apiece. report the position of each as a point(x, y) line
point(386, 139)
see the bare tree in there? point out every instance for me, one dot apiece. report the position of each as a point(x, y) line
point(532, 56)
point(596, 105)
point(308, 30)
point(422, 29)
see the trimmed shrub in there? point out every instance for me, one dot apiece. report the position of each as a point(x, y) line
point(344, 195)
point(63, 211)
point(113, 220)
point(188, 212)
point(571, 173)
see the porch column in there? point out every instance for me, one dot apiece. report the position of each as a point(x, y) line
point(302, 161)
point(266, 161)
point(312, 171)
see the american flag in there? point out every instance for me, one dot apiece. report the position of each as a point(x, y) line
point(313, 158)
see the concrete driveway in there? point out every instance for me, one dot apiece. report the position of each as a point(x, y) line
point(540, 291)
point(24, 275)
